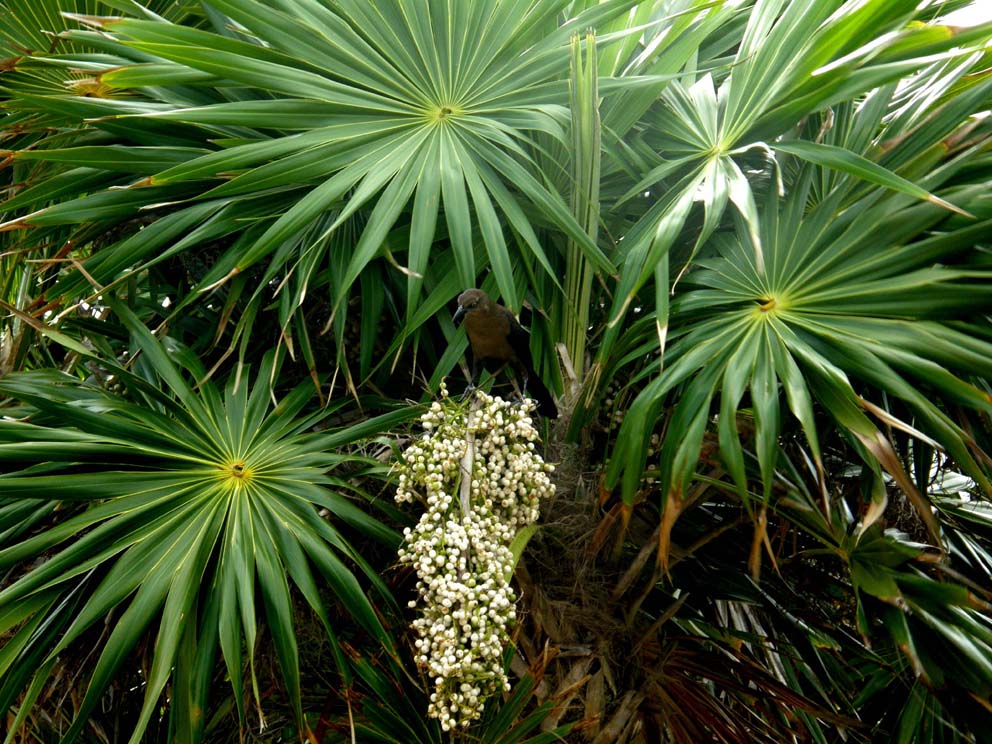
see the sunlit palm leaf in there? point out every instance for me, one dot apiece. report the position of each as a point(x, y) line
point(842, 299)
point(706, 126)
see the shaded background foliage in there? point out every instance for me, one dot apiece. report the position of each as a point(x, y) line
point(750, 240)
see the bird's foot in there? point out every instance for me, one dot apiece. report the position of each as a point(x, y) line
point(469, 392)
point(519, 398)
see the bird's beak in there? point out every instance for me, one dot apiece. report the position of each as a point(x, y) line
point(457, 317)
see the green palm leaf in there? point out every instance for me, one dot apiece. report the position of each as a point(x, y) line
point(806, 316)
point(183, 507)
point(420, 103)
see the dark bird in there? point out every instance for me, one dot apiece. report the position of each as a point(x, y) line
point(496, 340)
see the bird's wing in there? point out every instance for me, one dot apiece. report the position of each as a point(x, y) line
point(519, 341)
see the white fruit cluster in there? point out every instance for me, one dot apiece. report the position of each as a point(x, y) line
point(478, 476)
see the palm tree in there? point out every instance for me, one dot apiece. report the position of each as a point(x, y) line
point(231, 236)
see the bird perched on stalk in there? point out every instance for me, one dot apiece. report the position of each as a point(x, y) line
point(497, 340)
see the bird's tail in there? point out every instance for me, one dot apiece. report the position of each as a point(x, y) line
point(537, 390)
